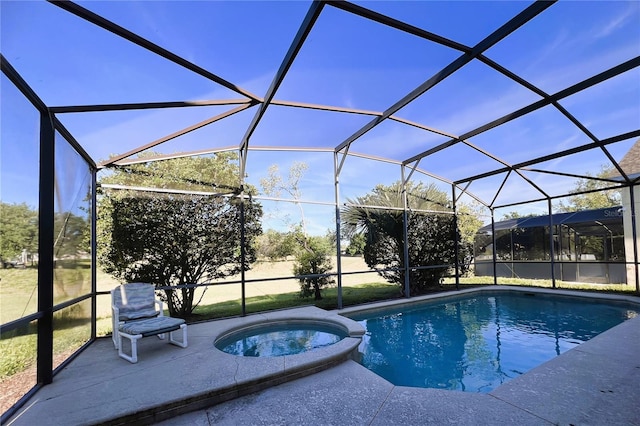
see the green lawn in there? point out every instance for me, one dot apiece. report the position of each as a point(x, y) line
point(362, 293)
point(18, 293)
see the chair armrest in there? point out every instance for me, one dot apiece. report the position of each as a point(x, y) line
point(160, 307)
point(115, 320)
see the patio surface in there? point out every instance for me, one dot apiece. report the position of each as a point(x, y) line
point(596, 383)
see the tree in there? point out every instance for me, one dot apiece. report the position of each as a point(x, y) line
point(72, 235)
point(431, 236)
point(176, 239)
point(357, 244)
point(468, 221)
point(599, 199)
point(313, 252)
point(276, 245)
point(331, 238)
point(516, 215)
point(18, 230)
point(274, 184)
point(313, 260)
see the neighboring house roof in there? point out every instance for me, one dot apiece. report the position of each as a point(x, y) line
point(630, 163)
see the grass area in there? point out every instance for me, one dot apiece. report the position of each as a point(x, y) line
point(19, 297)
point(358, 294)
point(18, 347)
point(18, 293)
point(18, 354)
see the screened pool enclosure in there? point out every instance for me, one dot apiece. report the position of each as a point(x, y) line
point(587, 246)
point(502, 110)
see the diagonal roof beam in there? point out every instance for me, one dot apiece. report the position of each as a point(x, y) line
point(174, 135)
point(571, 175)
point(398, 25)
point(519, 203)
point(504, 181)
point(116, 29)
point(516, 22)
point(145, 105)
point(319, 107)
point(17, 80)
point(162, 157)
point(22, 85)
point(421, 126)
point(464, 190)
point(331, 108)
point(504, 163)
point(591, 136)
point(305, 28)
point(600, 144)
point(511, 75)
point(60, 128)
point(585, 84)
point(412, 171)
point(565, 153)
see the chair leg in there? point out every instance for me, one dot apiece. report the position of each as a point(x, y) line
point(134, 347)
point(173, 341)
point(133, 339)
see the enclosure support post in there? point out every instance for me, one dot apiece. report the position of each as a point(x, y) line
point(493, 243)
point(456, 249)
point(405, 230)
point(242, 251)
point(46, 263)
point(336, 182)
point(512, 254)
point(551, 250)
point(634, 233)
point(94, 255)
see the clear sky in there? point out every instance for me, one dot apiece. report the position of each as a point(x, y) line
point(346, 61)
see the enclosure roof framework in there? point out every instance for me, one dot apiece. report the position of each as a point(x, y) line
point(582, 220)
point(504, 100)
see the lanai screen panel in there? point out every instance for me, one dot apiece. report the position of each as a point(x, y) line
point(19, 189)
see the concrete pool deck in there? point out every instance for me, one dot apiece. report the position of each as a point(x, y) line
point(596, 383)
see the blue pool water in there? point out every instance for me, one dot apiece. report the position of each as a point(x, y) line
point(476, 343)
point(279, 339)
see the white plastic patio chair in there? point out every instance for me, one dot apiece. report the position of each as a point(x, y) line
point(137, 313)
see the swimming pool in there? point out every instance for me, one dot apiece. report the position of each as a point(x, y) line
point(475, 343)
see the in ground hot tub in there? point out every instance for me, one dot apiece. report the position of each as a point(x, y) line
point(252, 353)
point(280, 338)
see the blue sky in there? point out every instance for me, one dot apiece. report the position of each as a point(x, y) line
point(346, 62)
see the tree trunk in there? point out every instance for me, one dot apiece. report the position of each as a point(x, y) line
point(318, 295)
